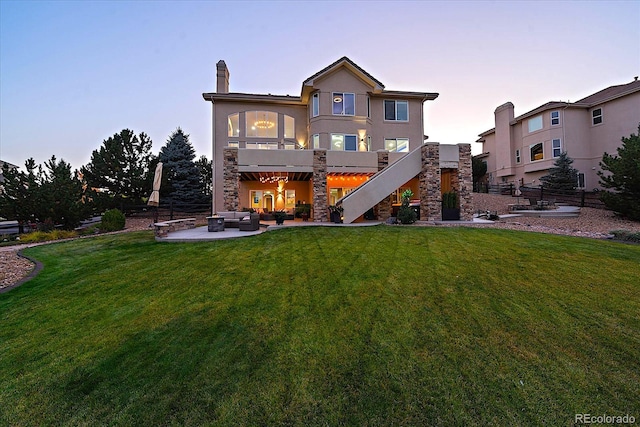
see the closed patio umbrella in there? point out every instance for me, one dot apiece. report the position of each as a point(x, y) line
point(154, 199)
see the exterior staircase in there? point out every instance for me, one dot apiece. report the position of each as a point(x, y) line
point(380, 185)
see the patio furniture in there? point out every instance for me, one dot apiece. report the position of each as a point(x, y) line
point(215, 223)
point(250, 222)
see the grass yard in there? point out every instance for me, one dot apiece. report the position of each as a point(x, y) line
point(324, 326)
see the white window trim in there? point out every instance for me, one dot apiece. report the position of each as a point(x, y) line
point(315, 104)
point(533, 145)
point(600, 116)
point(553, 148)
point(518, 157)
point(396, 148)
point(537, 129)
point(313, 140)
point(554, 118)
point(395, 105)
point(344, 94)
point(344, 137)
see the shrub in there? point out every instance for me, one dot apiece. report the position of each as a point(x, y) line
point(406, 215)
point(45, 236)
point(626, 236)
point(112, 220)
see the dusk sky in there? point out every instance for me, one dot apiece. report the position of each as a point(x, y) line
point(74, 73)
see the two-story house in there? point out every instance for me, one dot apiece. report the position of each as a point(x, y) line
point(273, 152)
point(520, 150)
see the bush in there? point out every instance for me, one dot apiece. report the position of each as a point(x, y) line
point(626, 236)
point(406, 215)
point(112, 220)
point(44, 236)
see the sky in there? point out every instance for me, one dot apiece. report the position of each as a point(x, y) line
point(72, 74)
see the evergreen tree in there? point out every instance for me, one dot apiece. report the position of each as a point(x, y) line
point(621, 173)
point(62, 195)
point(121, 168)
point(20, 196)
point(204, 165)
point(181, 177)
point(406, 215)
point(479, 170)
point(562, 176)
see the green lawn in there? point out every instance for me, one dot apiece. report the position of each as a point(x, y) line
point(324, 326)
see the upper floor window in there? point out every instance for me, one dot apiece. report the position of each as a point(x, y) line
point(344, 142)
point(555, 118)
point(368, 107)
point(518, 156)
point(233, 122)
point(261, 124)
point(344, 104)
point(580, 183)
point(316, 140)
point(233, 144)
point(396, 110)
point(289, 127)
point(535, 124)
point(315, 105)
point(536, 151)
point(556, 146)
point(400, 145)
point(262, 145)
point(596, 116)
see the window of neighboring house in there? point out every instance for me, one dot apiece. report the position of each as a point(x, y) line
point(555, 118)
point(368, 107)
point(261, 124)
point(233, 144)
point(233, 121)
point(517, 156)
point(289, 127)
point(262, 145)
point(399, 145)
point(342, 142)
point(535, 124)
point(315, 105)
point(596, 116)
point(536, 151)
point(556, 147)
point(581, 180)
point(344, 104)
point(396, 110)
point(316, 140)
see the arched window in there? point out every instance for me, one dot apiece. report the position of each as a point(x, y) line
point(233, 124)
point(261, 124)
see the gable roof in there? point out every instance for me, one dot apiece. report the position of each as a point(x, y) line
point(610, 93)
point(349, 64)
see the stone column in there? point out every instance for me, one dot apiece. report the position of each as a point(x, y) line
point(231, 187)
point(383, 209)
point(430, 196)
point(320, 207)
point(465, 182)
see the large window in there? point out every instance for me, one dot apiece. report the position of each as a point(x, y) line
point(262, 145)
point(315, 105)
point(596, 116)
point(289, 127)
point(261, 124)
point(535, 124)
point(344, 104)
point(396, 110)
point(233, 124)
point(555, 118)
point(537, 152)
point(556, 145)
point(400, 145)
point(342, 142)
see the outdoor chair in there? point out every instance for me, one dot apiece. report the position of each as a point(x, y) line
point(250, 222)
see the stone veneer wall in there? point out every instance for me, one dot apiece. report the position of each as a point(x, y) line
point(320, 208)
point(231, 188)
point(465, 182)
point(383, 209)
point(430, 197)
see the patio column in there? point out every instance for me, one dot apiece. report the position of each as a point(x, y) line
point(465, 182)
point(231, 187)
point(320, 207)
point(383, 208)
point(430, 197)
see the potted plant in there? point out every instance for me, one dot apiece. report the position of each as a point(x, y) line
point(280, 216)
point(335, 214)
point(450, 206)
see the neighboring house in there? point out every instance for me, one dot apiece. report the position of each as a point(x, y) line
point(521, 150)
point(273, 152)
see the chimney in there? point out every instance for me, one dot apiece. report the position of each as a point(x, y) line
point(222, 77)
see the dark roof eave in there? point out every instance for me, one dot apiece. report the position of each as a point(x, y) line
point(249, 97)
point(425, 96)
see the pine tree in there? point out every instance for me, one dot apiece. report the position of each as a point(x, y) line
point(562, 176)
point(181, 177)
point(121, 167)
point(621, 173)
point(206, 176)
point(20, 198)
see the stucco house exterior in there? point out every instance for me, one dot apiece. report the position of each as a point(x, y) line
point(328, 146)
point(521, 149)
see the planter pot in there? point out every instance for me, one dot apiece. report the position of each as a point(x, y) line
point(335, 217)
point(450, 214)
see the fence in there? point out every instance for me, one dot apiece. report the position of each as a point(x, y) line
point(589, 199)
point(170, 211)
